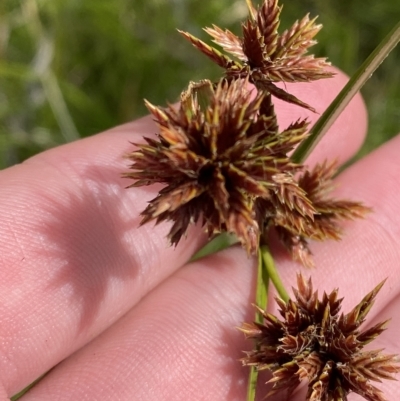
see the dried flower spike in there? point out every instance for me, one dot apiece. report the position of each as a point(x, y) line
point(294, 229)
point(265, 56)
point(216, 160)
point(315, 343)
point(224, 162)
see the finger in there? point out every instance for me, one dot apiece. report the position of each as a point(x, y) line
point(73, 257)
point(160, 350)
point(74, 260)
point(180, 342)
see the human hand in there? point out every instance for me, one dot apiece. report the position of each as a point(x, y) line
point(122, 315)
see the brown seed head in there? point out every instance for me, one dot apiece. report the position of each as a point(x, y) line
point(315, 343)
point(264, 55)
point(216, 160)
point(294, 228)
point(224, 162)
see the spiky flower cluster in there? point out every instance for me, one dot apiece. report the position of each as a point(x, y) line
point(218, 161)
point(226, 164)
point(294, 228)
point(265, 56)
point(221, 155)
point(314, 342)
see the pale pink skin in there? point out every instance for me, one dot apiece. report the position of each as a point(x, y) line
point(118, 314)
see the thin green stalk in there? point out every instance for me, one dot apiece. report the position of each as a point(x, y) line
point(355, 83)
point(262, 286)
point(27, 388)
point(220, 242)
point(262, 302)
point(273, 272)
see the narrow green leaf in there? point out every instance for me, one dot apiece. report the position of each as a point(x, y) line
point(220, 242)
point(252, 384)
point(262, 285)
point(27, 388)
point(273, 272)
point(355, 83)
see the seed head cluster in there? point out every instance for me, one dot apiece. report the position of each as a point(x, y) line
point(265, 56)
point(294, 229)
point(224, 162)
point(217, 162)
point(313, 342)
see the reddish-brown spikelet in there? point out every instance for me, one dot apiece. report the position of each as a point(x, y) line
point(295, 228)
point(264, 55)
point(216, 161)
point(315, 343)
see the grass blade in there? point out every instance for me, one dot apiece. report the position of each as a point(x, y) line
point(273, 273)
point(262, 302)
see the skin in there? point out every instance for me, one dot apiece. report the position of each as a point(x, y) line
point(118, 315)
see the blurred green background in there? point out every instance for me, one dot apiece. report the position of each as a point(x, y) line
point(72, 68)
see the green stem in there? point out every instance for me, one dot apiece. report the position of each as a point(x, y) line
point(220, 242)
point(261, 287)
point(273, 272)
point(355, 83)
point(27, 388)
point(262, 302)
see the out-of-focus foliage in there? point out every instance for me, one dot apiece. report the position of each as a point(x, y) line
point(71, 68)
